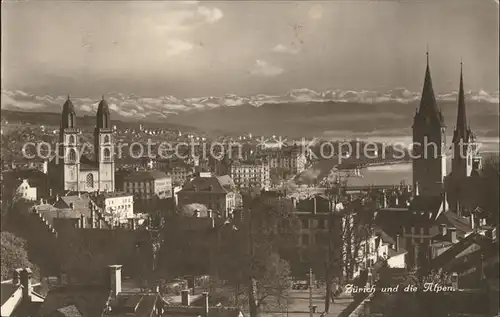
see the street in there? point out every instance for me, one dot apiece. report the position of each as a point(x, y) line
point(298, 304)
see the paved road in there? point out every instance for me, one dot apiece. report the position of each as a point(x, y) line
point(298, 305)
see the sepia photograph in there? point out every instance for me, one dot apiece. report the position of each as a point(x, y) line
point(244, 158)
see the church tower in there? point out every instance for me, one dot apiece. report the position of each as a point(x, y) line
point(429, 143)
point(464, 159)
point(68, 139)
point(104, 149)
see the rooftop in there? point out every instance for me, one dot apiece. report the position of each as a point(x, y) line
point(145, 175)
point(212, 184)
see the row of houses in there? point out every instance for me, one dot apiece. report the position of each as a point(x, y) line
point(107, 295)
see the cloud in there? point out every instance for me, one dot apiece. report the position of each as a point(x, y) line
point(177, 47)
point(263, 68)
point(211, 15)
point(185, 17)
point(280, 48)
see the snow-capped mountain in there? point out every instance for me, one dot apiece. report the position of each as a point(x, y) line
point(133, 106)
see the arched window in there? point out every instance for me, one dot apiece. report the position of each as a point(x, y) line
point(90, 180)
point(71, 139)
point(107, 154)
point(106, 139)
point(72, 155)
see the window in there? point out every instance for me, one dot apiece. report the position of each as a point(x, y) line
point(107, 154)
point(71, 139)
point(106, 139)
point(72, 155)
point(90, 180)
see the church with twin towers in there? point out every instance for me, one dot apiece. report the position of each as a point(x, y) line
point(431, 151)
point(72, 171)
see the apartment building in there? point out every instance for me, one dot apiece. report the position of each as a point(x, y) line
point(255, 174)
point(180, 171)
point(216, 193)
point(149, 188)
point(117, 207)
point(291, 158)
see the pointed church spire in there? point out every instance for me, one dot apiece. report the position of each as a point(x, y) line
point(461, 128)
point(428, 106)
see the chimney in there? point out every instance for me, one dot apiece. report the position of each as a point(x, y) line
point(472, 221)
point(58, 197)
point(205, 304)
point(25, 277)
point(397, 243)
point(185, 298)
point(482, 276)
point(133, 223)
point(384, 199)
point(453, 235)
point(82, 221)
point(209, 213)
point(442, 229)
point(115, 273)
point(212, 222)
point(16, 277)
point(92, 218)
point(416, 189)
point(315, 205)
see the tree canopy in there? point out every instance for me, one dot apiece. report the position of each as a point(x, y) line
point(14, 255)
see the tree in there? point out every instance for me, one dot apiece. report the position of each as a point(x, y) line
point(350, 226)
point(335, 193)
point(269, 229)
point(14, 255)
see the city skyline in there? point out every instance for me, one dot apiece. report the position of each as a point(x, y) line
point(194, 49)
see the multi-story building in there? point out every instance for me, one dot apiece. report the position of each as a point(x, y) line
point(216, 193)
point(256, 174)
point(179, 171)
point(148, 187)
point(117, 207)
point(291, 158)
point(360, 250)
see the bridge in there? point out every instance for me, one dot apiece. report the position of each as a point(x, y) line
point(311, 191)
point(362, 163)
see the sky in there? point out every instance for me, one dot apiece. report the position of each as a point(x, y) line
point(193, 49)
